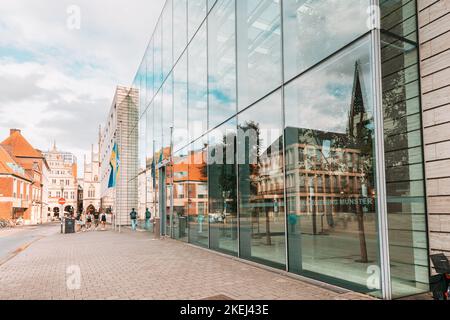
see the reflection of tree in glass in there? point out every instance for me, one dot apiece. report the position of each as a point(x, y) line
point(359, 137)
point(254, 176)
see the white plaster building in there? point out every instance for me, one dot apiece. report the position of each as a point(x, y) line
point(46, 214)
point(120, 128)
point(62, 181)
point(91, 182)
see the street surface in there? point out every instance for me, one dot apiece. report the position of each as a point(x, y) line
point(14, 240)
point(107, 265)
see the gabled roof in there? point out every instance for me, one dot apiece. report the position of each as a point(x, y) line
point(9, 166)
point(20, 147)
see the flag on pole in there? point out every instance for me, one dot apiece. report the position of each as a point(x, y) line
point(115, 166)
point(154, 172)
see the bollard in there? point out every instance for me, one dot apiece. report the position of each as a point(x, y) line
point(157, 228)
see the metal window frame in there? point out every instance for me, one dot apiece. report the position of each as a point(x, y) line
point(383, 231)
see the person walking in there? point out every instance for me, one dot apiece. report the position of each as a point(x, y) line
point(88, 221)
point(96, 219)
point(148, 216)
point(103, 221)
point(80, 222)
point(133, 217)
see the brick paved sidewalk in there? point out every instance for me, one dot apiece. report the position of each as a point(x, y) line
point(134, 266)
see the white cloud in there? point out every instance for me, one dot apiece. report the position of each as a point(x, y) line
point(57, 83)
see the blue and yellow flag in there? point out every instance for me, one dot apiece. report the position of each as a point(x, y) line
point(115, 167)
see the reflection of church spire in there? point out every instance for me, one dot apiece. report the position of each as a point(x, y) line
point(357, 110)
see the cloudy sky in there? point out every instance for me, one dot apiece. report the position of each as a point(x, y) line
point(57, 81)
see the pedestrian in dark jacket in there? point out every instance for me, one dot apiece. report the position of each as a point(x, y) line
point(133, 217)
point(148, 216)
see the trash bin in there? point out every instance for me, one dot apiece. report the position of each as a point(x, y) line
point(440, 283)
point(69, 226)
point(182, 223)
point(157, 227)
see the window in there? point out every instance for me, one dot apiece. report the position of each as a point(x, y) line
point(260, 138)
point(223, 188)
point(181, 206)
point(258, 49)
point(167, 53)
point(180, 27)
point(196, 14)
point(198, 85)
point(318, 116)
point(180, 101)
point(316, 29)
point(157, 58)
point(149, 75)
point(198, 220)
point(221, 62)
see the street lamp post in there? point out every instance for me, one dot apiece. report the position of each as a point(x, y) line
point(172, 182)
point(61, 213)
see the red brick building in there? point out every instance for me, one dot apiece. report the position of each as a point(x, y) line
point(34, 164)
point(15, 188)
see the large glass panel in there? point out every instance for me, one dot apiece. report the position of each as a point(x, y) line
point(261, 182)
point(222, 178)
point(259, 49)
point(157, 59)
point(149, 159)
point(315, 29)
point(149, 73)
point(141, 87)
point(167, 32)
point(330, 160)
point(222, 62)
point(198, 193)
point(157, 122)
point(180, 191)
point(149, 144)
point(142, 142)
point(198, 85)
point(211, 4)
point(404, 168)
point(167, 127)
point(167, 116)
point(179, 28)
point(158, 147)
point(196, 14)
point(180, 97)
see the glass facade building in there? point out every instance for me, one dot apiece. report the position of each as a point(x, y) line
point(288, 133)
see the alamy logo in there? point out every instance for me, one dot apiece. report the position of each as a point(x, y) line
point(73, 280)
point(373, 21)
point(74, 17)
point(373, 281)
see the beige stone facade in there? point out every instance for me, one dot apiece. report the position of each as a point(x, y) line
point(62, 182)
point(434, 37)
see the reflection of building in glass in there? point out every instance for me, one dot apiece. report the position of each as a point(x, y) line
point(322, 180)
point(316, 192)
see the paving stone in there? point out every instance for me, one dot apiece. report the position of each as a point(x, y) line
point(128, 266)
